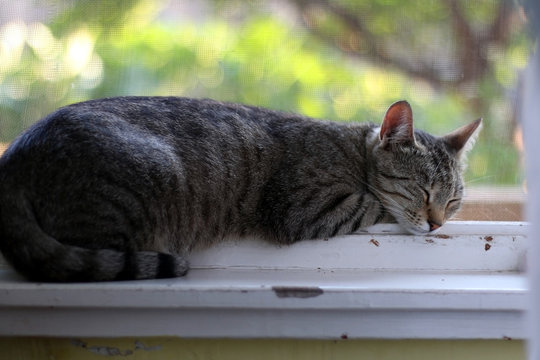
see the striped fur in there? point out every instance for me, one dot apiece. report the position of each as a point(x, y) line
point(125, 188)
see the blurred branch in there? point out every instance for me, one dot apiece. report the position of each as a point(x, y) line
point(373, 50)
point(471, 58)
point(470, 61)
point(473, 47)
point(499, 30)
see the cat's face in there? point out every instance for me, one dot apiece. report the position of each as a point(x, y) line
point(419, 184)
point(418, 177)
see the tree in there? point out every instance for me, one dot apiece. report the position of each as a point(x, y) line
point(342, 60)
point(365, 26)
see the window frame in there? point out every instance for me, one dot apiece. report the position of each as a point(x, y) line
point(317, 289)
point(348, 287)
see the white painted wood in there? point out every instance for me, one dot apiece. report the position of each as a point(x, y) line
point(486, 246)
point(444, 287)
point(531, 125)
point(460, 245)
point(273, 303)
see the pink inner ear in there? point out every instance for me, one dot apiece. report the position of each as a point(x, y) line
point(398, 121)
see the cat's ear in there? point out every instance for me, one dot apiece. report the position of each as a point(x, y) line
point(397, 126)
point(462, 139)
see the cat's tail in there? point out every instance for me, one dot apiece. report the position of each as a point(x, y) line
point(40, 257)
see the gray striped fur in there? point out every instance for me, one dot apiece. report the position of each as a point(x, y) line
point(125, 188)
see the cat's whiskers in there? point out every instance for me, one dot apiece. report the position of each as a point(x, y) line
point(481, 178)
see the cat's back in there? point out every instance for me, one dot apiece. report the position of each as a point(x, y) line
point(175, 116)
point(153, 157)
point(164, 121)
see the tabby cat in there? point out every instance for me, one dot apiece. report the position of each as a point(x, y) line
point(124, 188)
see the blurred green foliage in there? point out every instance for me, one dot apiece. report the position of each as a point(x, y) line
point(104, 48)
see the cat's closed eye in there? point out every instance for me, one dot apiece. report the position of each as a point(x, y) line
point(427, 196)
point(395, 177)
point(452, 204)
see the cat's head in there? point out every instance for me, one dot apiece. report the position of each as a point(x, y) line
point(417, 176)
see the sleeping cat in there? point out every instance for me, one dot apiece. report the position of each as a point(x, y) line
point(124, 188)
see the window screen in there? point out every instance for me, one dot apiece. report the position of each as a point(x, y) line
point(453, 60)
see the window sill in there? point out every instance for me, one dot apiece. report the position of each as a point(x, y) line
point(462, 284)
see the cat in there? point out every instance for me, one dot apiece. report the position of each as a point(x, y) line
point(124, 188)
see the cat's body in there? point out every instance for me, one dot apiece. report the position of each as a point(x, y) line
point(109, 189)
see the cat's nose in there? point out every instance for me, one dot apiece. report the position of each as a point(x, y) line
point(433, 225)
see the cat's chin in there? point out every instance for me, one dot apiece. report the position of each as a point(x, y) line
point(417, 230)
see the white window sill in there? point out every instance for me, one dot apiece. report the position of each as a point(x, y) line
point(464, 283)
